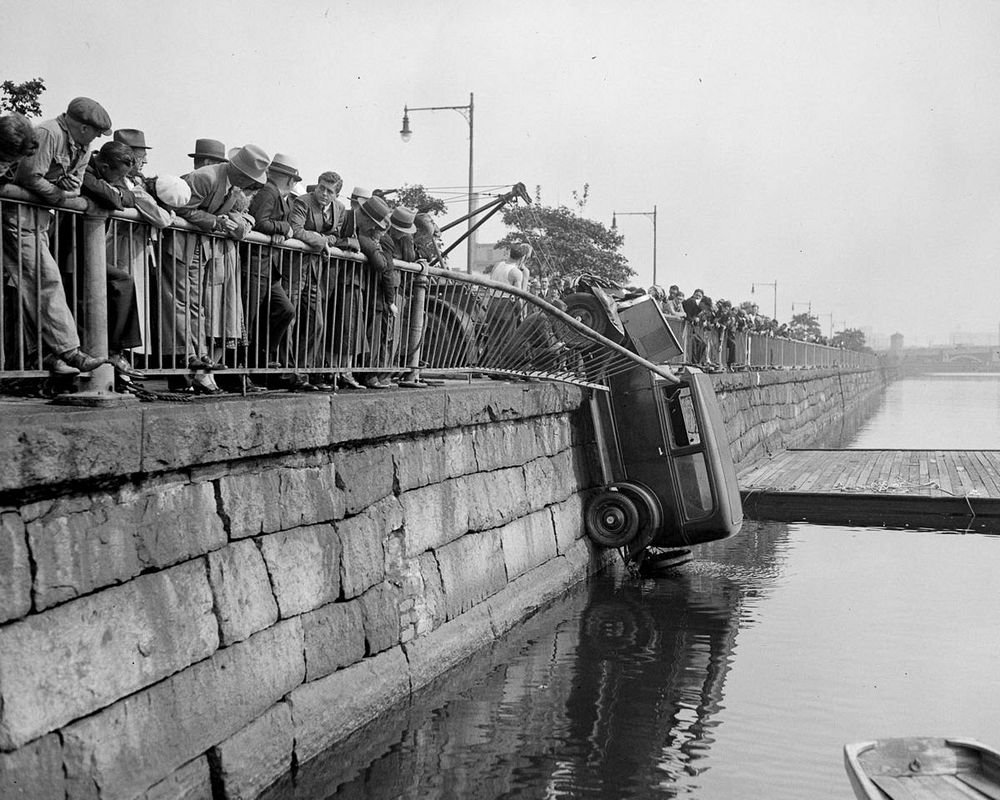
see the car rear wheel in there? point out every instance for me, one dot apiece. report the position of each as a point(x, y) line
point(650, 513)
point(612, 519)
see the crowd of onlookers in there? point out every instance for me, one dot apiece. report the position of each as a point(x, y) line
point(217, 301)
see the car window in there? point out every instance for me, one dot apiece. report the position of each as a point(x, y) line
point(681, 414)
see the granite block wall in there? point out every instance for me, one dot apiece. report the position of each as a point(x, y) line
point(194, 597)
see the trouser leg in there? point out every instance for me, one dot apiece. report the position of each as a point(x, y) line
point(34, 272)
point(123, 312)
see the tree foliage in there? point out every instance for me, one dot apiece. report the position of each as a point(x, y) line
point(564, 241)
point(416, 196)
point(805, 327)
point(22, 98)
point(850, 339)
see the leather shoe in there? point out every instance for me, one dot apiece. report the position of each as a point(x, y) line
point(122, 367)
point(203, 384)
point(81, 361)
point(349, 382)
point(373, 383)
point(209, 363)
point(57, 366)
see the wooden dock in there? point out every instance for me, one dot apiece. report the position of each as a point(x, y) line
point(913, 488)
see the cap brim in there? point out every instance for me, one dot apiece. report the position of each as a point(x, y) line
point(411, 229)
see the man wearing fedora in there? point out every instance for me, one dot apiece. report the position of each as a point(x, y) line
point(132, 247)
point(136, 140)
point(263, 269)
point(208, 152)
point(398, 243)
point(55, 173)
point(372, 221)
point(216, 190)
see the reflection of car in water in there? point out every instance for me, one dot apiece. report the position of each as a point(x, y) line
point(650, 673)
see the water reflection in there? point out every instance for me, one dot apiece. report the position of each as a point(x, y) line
point(613, 692)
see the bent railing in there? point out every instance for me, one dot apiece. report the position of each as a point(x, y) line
point(177, 299)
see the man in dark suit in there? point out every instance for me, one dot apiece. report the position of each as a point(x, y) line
point(263, 267)
point(103, 182)
point(317, 219)
point(693, 306)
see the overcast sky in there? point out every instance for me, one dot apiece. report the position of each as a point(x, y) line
point(848, 150)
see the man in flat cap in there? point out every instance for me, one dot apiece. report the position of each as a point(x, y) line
point(55, 173)
point(188, 259)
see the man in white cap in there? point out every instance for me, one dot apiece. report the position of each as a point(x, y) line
point(215, 191)
point(55, 173)
point(269, 312)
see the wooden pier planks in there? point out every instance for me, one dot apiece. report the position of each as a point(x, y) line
point(892, 485)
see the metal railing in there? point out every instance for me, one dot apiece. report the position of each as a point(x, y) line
point(177, 299)
point(748, 349)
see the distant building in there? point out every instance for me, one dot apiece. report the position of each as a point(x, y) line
point(896, 343)
point(874, 339)
point(972, 339)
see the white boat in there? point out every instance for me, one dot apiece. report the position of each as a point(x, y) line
point(923, 768)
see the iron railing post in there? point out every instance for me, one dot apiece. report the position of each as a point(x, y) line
point(97, 387)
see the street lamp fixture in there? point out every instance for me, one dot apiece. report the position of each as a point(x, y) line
point(649, 215)
point(406, 133)
point(774, 285)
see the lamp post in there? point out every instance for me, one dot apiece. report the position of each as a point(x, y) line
point(774, 283)
point(467, 112)
point(830, 317)
point(648, 215)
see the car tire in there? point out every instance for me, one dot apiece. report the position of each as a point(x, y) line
point(612, 518)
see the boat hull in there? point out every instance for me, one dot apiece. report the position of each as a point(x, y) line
point(914, 767)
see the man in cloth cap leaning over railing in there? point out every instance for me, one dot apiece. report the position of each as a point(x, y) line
point(55, 173)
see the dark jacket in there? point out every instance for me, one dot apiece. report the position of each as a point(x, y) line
point(271, 211)
point(309, 224)
point(106, 195)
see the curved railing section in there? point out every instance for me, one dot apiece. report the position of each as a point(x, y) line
point(173, 296)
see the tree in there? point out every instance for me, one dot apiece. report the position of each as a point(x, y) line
point(850, 339)
point(22, 98)
point(416, 197)
point(565, 242)
point(805, 327)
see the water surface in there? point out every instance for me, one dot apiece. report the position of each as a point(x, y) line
point(740, 675)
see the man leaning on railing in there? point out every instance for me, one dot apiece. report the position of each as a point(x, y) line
point(54, 173)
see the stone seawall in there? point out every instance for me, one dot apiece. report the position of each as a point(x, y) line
point(195, 597)
point(766, 412)
point(199, 594)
